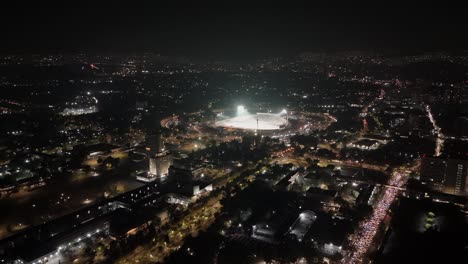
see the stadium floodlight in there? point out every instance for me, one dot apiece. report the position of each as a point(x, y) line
point(259, 121)
point(241, 110)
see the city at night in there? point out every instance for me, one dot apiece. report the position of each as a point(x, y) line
point(201, 133)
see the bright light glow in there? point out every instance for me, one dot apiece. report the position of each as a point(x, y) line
point(284, 112)
point(265, 122)
point(241, 110)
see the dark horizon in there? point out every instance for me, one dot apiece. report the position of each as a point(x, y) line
point(229, 33)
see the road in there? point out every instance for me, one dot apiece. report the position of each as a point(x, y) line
point(362, 240)
point(440, 137)
point(287, 157)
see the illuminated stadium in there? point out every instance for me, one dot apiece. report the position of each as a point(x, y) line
point(258, 121)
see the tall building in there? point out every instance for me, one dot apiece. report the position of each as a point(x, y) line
point(159, 164)
point(153, 143)
point(461, 126)
point(432, 172)
point(456, 176)
point(159, 159)
point(448, 175)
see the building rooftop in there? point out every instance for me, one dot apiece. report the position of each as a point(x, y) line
point(327, 229)
point(301, 226)
point(321, 192)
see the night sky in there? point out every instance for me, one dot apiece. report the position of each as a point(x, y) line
point(238, 31)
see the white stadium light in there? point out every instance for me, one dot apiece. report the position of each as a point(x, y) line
point(241, 110)
point(259, 121)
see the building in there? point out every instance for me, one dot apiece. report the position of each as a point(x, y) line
point(159, 159)
point(456, 176)
point(461, 126)
point(432, 172)
point(159, 164)
point(144, 176)
point(321, 194)
point(415, 190)
point(81, 105)
point(153, 143)
point(141, 105)
point(301, 226)
point(200, 187)
point(445, 174)
point(45, 242)
point(286, 182)
point(272, 227)
point(329, 234)
point(180, 175)
point(173, 198)
point(365, 144)
point(366, 195)
point(194, 188)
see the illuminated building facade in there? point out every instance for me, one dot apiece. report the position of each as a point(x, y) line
point(159, 159)
point(447, 175)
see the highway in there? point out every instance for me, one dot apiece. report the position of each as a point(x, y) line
point(362, 239)
point(440, 137)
